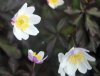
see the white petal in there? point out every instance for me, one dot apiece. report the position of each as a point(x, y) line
point(19, 34)
point(82, 68)
point(30, 10)
point(82, 49)
point(61, 2)
point(63, 63)
point(60, 57)
point(88, 57)
point(32, 30)
point(86, 63)
point(61, 71)
point(30, 51)
point(34, 19)
point(70, 69)
point(22, 9)
point(41, 53)
point(52, 6)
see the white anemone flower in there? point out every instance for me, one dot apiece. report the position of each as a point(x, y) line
point(23, 22)
point(55, 3)
point(75, 59)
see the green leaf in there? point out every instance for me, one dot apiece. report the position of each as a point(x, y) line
point(94, 11)
point(61, 24)
point(13, 64)
point(10, 50)
point(78, 20)
point(81, 37)
point(50, 45)
point(71, 11)
point(75, 4)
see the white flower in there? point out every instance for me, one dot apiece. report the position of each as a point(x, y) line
point(75, 59)
point(23, 22)
point(55, 3)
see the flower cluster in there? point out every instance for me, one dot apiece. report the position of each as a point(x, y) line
point(75, 59)
point(23, 25)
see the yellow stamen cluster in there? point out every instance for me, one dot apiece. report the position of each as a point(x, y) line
point(76, 58)
point(53, 2)
point(22, 22)
point(39, 57)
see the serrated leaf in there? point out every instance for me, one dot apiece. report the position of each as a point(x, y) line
point(92, 27)
point(94, 11)
point(70, 11)
point(10, 50)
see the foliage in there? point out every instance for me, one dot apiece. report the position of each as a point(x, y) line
point(76, 23)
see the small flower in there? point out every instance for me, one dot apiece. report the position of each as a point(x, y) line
point(55, 3)
point(24, 21)
point(36, 58)
point(75, 59)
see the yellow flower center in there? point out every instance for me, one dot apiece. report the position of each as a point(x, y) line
point(22, 22)
point(39, 57)
point(53, 2)
point(76, 58)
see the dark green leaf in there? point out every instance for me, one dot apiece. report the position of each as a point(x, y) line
point(13, 64)
point(94, 11)
point(10, 50)
point(61, 24)
point(78, 20)
point(92, 27)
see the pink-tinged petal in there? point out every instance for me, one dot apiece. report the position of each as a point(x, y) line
point(30, 55)
point(41, 61)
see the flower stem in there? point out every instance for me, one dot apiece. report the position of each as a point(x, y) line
point(33, 71)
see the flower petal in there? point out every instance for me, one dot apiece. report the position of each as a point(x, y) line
point(88, 57)
point(60, 57)
point(30, 10)
point(41, 53)
point(22, 9)
point(19, 34)
point(61, 71)
point(61, 2)
point(86, 63)
point(30, 55)
point(34, 19)
point(70, 69)
point(32, 30)
point(82, 68)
